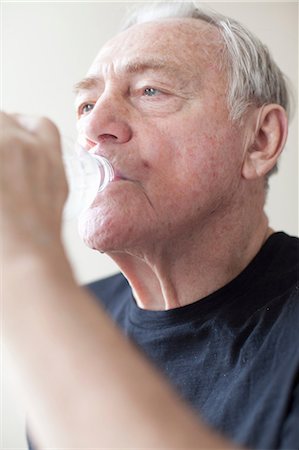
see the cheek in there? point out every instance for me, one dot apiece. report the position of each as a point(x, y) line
point(209, 168)
point(180, 170)
point(146, 164)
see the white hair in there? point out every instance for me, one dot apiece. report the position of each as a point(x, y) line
point(253, 76)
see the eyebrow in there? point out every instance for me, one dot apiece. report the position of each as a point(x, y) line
point(86, 84)
point(166, 65)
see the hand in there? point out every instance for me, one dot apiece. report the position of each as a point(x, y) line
point(33, 187)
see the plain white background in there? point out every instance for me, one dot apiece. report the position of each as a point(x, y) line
point(48, 46)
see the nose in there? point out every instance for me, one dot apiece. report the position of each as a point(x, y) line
point(107, 122)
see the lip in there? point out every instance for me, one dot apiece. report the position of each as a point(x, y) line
point(94, 149)
point(118, 176)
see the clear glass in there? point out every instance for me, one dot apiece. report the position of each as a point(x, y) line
point(87, 174)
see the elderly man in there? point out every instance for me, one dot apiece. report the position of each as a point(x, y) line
point(192, 112)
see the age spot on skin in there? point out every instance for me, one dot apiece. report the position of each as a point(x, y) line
point(146, 164)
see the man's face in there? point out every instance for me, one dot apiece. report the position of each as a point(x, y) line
point(154, 103)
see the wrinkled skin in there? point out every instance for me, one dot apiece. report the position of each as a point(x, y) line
point(158, 111)
point(178, 151)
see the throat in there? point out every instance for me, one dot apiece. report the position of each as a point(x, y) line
point(183, 276)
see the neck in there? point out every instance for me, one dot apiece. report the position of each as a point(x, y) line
point(182, 271)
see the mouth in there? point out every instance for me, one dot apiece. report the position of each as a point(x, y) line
point(118, 177)
point(94, 149)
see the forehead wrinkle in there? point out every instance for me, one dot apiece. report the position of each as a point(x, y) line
point(139, 65)
point(134, 66)
point(203, 42)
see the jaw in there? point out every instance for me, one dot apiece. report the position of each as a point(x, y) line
point(170, 262)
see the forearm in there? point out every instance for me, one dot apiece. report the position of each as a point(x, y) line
point(86, 385)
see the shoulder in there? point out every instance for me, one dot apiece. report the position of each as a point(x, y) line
point(287, 245)
point(277, 264)
point(284, 249)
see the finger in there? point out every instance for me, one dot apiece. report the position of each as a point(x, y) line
point(38, 125)
point(20, 121)
point(43, 129)
point(8, 120)
point(29, 123)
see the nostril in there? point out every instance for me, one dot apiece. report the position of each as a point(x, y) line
point(106, 137)
point(101, 127)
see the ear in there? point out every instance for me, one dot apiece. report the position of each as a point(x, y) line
point(269, 137)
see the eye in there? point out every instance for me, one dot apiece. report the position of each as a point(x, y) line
point(85, 108)
point(151, 92)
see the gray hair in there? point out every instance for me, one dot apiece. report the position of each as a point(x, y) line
point(253, 76)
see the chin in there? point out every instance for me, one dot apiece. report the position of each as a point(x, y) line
point(95, 231)
point(104, 233)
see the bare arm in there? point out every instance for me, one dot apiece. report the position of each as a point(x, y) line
point(85, 384)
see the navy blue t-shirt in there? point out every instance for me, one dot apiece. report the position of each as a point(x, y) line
point(234, 355)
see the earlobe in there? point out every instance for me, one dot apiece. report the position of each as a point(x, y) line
point(269, 138)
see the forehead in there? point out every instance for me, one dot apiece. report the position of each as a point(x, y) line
point(188, 43)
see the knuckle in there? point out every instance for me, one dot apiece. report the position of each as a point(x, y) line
point(49, 124)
